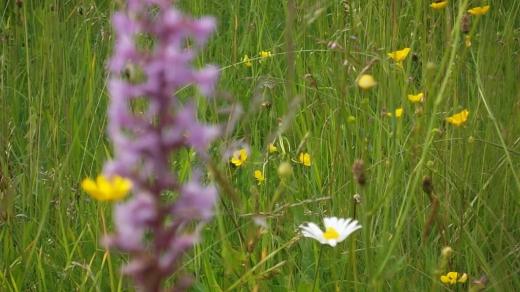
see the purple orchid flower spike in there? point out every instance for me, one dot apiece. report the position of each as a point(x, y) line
point(144, 140)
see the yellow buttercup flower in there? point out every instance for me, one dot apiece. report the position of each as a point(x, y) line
point(305, 158)
point(416, 98)
point(399, 112)
point(366, 81)
point(439, 4)
point(458, 118)
point(247, 61)
point(453, 277)
point(259, 176)
point(271, 148)
point(239, 157)
point(400, 55)
point(265, 54)
point(475, 11)
point(104, 189)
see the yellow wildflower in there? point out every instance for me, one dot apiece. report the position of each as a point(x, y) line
point(239, 157)
point(453, 277)
point(259, 176)
point(247, 61)
point(400, 55)
point(475, 11)
point(265, 54)
point(366, 81)
point(271, 148)
point(104, 189)
point(439, 4)
point(399, 112)
point(416, 98)
point(305, 158)
point(458, 118)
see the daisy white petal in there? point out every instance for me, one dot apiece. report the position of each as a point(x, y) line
point(313, 231)
point(330, 221)
point(343, 223)
point(349, 229)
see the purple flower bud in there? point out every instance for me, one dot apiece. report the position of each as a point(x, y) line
point(206, 79)
point(132, 219)
point(203, 28)
point(196, 135)
point(195, 202)
point(177, 246)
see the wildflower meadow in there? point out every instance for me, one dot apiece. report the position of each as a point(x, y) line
point(246, 145)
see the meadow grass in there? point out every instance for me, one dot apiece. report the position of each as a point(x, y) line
point(53, 134)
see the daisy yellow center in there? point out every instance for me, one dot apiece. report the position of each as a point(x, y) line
point(331, 233)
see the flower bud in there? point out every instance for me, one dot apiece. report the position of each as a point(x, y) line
point(357, 198)
point(447, 252)
point(285, 169)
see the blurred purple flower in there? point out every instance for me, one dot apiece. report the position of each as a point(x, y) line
point(196, 202)
point(157, 233)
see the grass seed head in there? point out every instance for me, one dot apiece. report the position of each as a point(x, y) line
point(427, 185)
point(358, 170)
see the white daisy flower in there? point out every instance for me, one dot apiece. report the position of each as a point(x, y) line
point(336, 230)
